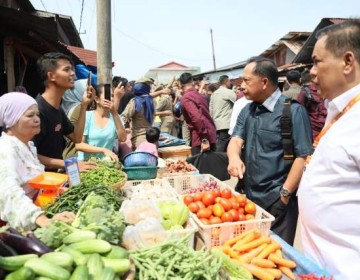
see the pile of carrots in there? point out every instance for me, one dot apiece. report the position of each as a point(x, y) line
point(261, 255)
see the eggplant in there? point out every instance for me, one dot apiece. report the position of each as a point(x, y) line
point(23, 244)
point(6, 251)
point(41, 245)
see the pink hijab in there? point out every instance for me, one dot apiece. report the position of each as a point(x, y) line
point(12, 106)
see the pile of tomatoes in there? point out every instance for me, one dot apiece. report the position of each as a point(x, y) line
point(220, 206)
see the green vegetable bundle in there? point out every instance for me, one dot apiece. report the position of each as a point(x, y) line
point(175, 214)
point(53, 235)
point(175, 260)
point(104, 174)
point(97, 215)
point(73, 198)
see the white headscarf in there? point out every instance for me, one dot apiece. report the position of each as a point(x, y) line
point(12, 106)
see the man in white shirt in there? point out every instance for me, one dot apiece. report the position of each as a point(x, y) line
point(329, 192)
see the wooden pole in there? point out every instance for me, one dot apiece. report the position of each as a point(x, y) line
point(213, 51)
point(104, 59)
point(9, 64)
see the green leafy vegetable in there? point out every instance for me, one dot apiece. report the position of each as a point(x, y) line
point(53, 235)
point(97, 215)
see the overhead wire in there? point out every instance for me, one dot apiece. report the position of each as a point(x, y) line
point(42, 3)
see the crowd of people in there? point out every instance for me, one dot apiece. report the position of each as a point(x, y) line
point(256, 124)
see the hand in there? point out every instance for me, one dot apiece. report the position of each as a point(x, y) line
point(110, 154)
point(236, 168)
point(65, 217)
point(205, 146)
point(284, 199)
point(119, 91)
point(166, 91)
point(167, 113)
point(89, 95)
point(109, 105)
point(84, 166)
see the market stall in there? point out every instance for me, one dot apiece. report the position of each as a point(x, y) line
point(178, 227)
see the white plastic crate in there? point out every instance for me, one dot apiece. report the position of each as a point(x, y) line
point(217, 234)
point(158, 189)
point(184, 182)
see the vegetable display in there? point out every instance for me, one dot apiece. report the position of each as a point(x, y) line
point(72, 199)
point(175, 260)
point(175, 214)
point(259, 254)
point(97, 215)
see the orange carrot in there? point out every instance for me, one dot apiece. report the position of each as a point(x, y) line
point(225, 249)
point(232, 241)
point(278, 253)
point(248, 238)
point(264, 263)
point(253, 244)
point(274, 272)
point(259, 272)
point(253, 253)
point(287, 271)
point(233, 254)
point(268, 250)
point(282, 262)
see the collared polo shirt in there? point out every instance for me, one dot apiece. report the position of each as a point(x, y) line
point(259, 126)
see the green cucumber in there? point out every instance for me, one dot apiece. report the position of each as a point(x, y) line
point(92, 246)
point(120, 266)
point(117, 252)
point(79, 235)
point(15, 262)
point(81, 272)
point(44, 268)
point(22, 273)
point(62, 259)
point(108, 274)
point(95, 266)
point(78, 257)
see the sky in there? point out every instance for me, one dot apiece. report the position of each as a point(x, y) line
point(150, 33)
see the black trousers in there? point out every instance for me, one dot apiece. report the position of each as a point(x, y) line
point(286, 217)
point(197, 149)
point(222, 140)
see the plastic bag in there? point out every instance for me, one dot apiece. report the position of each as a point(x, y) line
point(144, 234)
point(214, 163)
point(136, 210)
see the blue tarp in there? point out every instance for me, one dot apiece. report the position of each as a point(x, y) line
point(170, 140)
point(82, 72)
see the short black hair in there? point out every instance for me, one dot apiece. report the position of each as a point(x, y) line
point(49, 62)
point(265, 67)
point(305, 76)
point(185, 78)
point(223, 79)
point(152, 134)
point(211, 87)
point(117, 79)
point(293, 76)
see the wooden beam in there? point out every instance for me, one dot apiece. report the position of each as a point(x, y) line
point(9, 54)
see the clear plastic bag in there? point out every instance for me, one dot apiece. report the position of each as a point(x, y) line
point(144, 234)
point(135, 210)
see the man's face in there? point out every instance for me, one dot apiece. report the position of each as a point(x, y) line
point(327, 71)
point(64, 75)
point(228, 83)
point(252, 85)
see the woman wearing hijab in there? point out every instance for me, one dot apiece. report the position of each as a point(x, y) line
point(139, 113)
point(19, 117)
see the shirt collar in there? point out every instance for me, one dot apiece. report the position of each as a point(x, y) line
point(270, 102)
point(338, 104)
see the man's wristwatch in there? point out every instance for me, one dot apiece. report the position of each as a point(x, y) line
point(285, 192)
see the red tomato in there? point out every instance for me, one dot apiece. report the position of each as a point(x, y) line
point(210, 207)
point(218, 210)
point(241, 210)
point(204, 213)
point(242, 217)
point(188, 199)
point(215, 220)
point(234, 203)
point(250, 207)
point(242, 200)
point(216, 192)
point(217, 199)
point(208, 199)
point(205, 221)
point(235, 214)
point(226, 193)
point(249, 217)
point(193, 207)
point(198, 196)
point(226, 204)
point(227, 217)
point(200, 204)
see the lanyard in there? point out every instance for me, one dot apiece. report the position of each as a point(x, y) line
point(351, 103)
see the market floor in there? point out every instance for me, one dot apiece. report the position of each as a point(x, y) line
point(297, 243)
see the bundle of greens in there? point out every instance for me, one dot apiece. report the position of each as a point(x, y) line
point(53, 235)
point(98, 215)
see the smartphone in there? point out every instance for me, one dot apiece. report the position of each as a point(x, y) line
point(89, 79)
point(107, 89)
